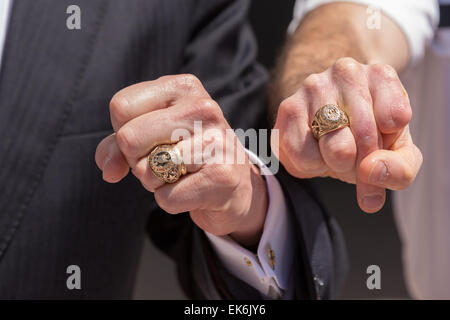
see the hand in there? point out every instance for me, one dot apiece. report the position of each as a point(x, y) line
point(222, 198)
point(375, 152)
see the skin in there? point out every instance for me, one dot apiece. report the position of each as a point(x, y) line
point(333, 58)
point(231, 199)
point(222, 199)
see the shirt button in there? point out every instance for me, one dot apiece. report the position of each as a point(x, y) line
point(318, 281)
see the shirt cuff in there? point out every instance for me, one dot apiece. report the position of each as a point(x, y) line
point(267, 271)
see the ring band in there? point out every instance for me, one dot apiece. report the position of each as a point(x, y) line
point(166, 163)
point(328, 118)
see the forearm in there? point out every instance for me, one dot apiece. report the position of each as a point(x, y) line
point(331, 32)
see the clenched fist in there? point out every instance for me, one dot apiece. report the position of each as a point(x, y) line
point(376, 152)
point(222, 197)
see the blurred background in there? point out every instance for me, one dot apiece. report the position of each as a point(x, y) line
point(371, 239)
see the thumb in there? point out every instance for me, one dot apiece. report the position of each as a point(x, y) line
point(394, 169)
point(110, 160)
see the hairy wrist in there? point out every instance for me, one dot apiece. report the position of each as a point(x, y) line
point(312, 49)
point(330, 32)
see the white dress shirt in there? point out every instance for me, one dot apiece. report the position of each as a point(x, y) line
point(423, 210)
point(5, 8)
point(267, 271)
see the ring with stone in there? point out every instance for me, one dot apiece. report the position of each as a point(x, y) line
point(328, 118)
point(166, 163)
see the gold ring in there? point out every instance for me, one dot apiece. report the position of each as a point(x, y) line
point(328, 118)
point(166, 163)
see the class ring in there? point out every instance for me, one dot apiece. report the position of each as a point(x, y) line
point(166, 163)
point(328, 118)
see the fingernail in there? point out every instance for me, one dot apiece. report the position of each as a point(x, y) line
point(379, 173)
point(104, 166)
point(373, 201)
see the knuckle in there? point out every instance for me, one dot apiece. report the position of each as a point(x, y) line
point(401, 113)
point(314, 84)
point(204, 109)
point(209, 110)
point(187, 82)
point(127, 140)
point(119, 107)
point(384, 71)
point(395, 112)
point(346, 67)
point(224, 175)
point(289, 109)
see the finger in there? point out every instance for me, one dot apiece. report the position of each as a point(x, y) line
point(390, 101)
point(189, 153)
point(140, 135)
point(207, 189)
point(353, 84)
point(394, 169)
point(145, 97)
point(191, 192)
point(298, 149)
point(338, 148)
point(144, 173)
point(110, 160)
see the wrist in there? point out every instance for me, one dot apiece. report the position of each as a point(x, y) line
point(251, 226)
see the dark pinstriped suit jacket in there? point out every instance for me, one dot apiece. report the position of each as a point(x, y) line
point(55, 87)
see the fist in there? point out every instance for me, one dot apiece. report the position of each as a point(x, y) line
point(375, 152)
point(222, 197)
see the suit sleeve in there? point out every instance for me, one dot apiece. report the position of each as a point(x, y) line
point(222, 53)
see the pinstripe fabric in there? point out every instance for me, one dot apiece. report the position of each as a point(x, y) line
point(30, 120)
point(55, 87)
